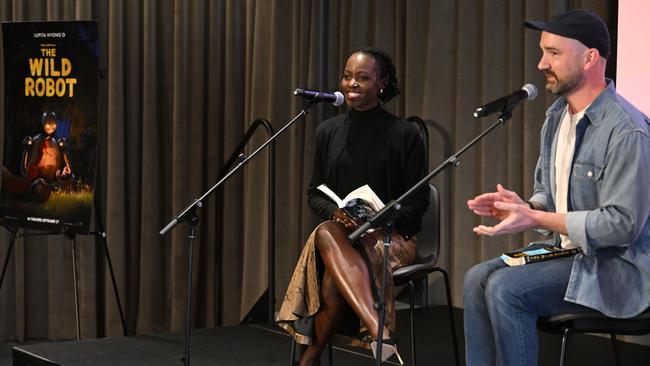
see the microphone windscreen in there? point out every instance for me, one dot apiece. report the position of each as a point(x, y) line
point(531, 90)
point(339, 98)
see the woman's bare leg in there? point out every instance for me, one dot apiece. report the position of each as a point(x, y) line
point(349, 273)
point(327, 321)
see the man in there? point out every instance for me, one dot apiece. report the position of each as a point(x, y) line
point(591, 192)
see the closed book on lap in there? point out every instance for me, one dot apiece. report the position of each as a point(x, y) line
point(536, 253)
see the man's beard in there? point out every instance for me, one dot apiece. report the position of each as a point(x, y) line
point(565, 86)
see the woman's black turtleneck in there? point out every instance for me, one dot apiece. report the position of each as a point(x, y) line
point(363, 159)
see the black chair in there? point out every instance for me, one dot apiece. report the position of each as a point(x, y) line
point(594, 322)
point(428, 253)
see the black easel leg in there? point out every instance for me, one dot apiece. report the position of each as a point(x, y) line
point(11, 246)
point(73, 244)
point(99, 224)
point(117, 294)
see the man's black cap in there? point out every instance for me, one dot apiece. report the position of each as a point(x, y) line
point(582, 25)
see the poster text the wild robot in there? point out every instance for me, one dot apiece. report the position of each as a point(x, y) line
point(50, 75)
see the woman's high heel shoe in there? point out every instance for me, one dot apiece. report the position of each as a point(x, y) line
point(388, 348)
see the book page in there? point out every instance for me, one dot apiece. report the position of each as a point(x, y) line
point(364, 192)
point(330, 193)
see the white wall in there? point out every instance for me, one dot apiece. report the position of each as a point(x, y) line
point(633, 66)
point(633, 55)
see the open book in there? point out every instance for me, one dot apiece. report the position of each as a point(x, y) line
point(361, 203)
point(536, 253)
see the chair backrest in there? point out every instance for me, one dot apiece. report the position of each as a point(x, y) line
point(429, 237)
point(441, 149)
point(421, 126)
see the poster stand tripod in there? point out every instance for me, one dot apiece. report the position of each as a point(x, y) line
point(72, 237)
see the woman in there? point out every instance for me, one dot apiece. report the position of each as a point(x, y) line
point(366, 145)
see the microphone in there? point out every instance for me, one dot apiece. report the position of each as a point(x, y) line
point(335, 98)
point(507, 103)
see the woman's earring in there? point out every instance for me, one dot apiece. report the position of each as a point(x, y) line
point(381, 91)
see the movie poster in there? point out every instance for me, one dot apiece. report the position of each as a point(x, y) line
point(50, 124)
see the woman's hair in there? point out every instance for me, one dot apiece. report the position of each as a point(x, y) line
point(386, 70)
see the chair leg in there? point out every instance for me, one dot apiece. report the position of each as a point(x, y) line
point(425, 300)
point(330, 354)
point(293, 352)
point(565, 339)
point(617, 354)
point(452, 325)
point(411, 311)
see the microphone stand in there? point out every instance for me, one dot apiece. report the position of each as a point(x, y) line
point(189, 214)
point(384, 218)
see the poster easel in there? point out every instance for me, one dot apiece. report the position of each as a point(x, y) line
point(72, 237)
point(51, 154)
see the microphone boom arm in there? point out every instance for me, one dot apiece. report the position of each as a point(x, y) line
point(198, 203)
point(392, 207)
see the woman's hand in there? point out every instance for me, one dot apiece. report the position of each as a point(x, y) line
point(342, 218)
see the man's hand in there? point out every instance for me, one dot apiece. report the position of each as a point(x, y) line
point(506, 206)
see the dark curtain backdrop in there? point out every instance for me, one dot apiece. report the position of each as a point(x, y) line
point(183, 80)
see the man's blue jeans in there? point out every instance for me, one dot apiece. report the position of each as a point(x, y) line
point(502, 305)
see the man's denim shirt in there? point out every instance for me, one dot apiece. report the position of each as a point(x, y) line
point(609, 203)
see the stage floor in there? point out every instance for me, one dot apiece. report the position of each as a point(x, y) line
point(236, 345)
point(258, 345)
point(240, 345)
